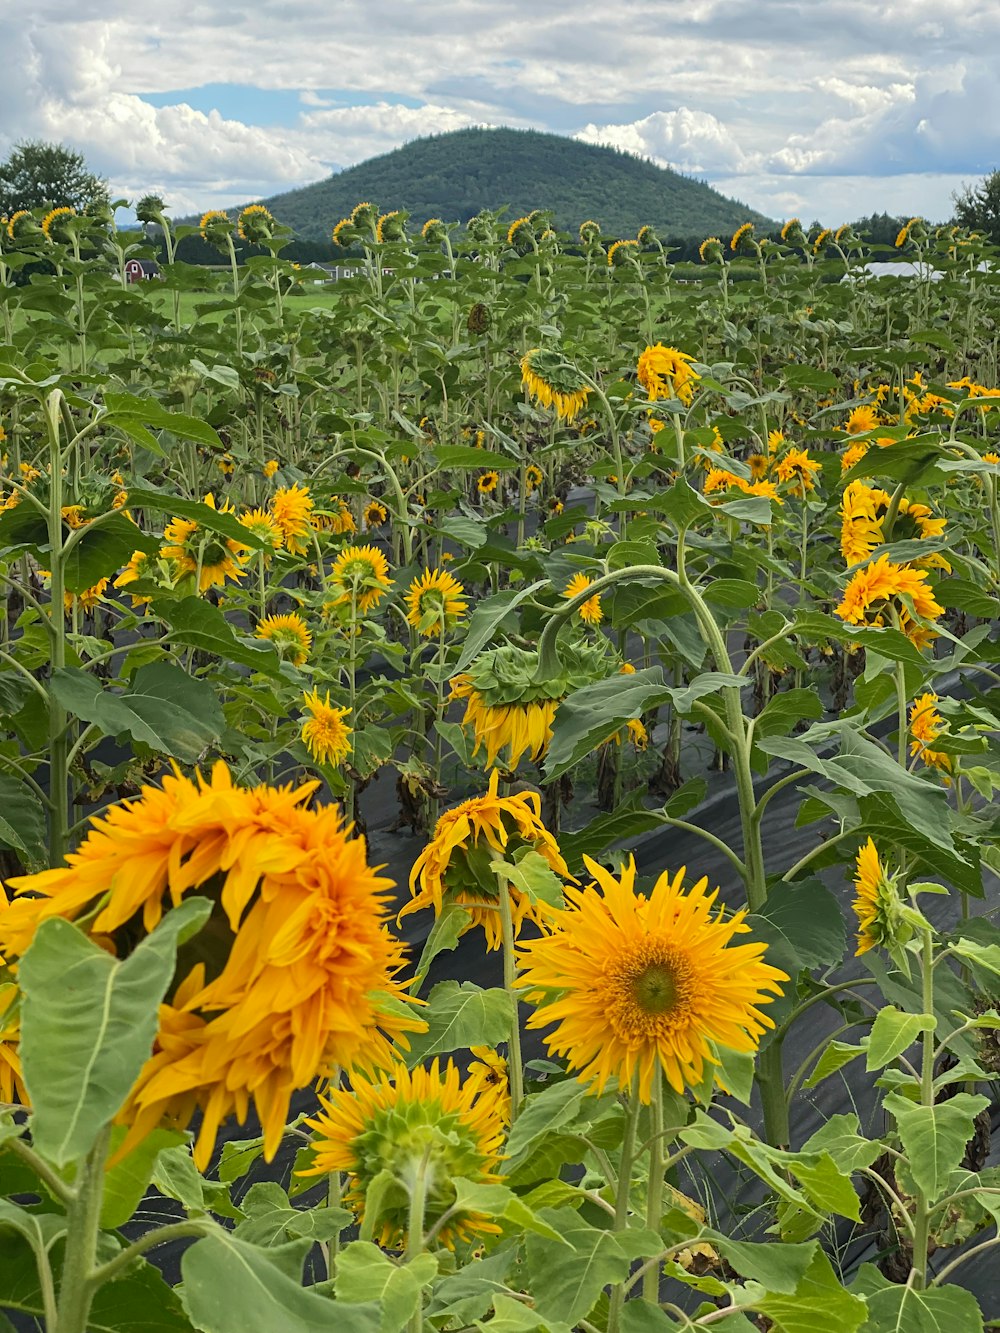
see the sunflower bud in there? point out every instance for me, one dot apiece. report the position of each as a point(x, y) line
point(150, 208)
point(480, 318)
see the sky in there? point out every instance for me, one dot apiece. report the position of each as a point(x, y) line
point(829, 111)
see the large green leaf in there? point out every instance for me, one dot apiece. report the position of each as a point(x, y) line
point(22, 820)
point(272, 1220)
point(366, 1273)
point(897, 1309)
point(460, 1015)
point(232, 1287)
point(819, 1301)
point(124, 409)
point(567, 1283)
point(934, 1137)
point(894, 1032)
point(803, 925)
point(592, 715)
point(488, 616)
point(102, 550)
point(841, 1138)
point(195, 623)
point(166, 709)
point(88, 1022)
point(127, 1180)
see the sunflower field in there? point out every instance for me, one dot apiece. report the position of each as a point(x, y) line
point(497, 781)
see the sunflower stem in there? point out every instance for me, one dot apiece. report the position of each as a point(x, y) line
point(654, 1198)
point(921, 1204)
point(622, 1193)
point(514, 1060)
point(415, 1231)
point(77, 1286)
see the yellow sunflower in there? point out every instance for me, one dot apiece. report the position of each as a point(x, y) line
point(742, 238)
point(12, 1090)
point(533, 478)
point(291, 508)
point(53, 223)
point(376, 514)
point(664, 372)
point(197, 550)
point(796, 466)
point(621, 252)
point(435, 600)
point(455, 864)
point(141, 566)
point(383, 1126)
point(289, 634)
point(255, 224)
point(926, 725)
point(517, 727)
point(215, 226)
point(852, 454)
point(270, 468)
point(325, 734)
point(862, 420)
point(360, 576)
point(553, 382)
point(640, 985)
point(590, 612)
point(263, 526)
point(878, 586)
point(875, 903)
point(711, 251)
point(487, 482)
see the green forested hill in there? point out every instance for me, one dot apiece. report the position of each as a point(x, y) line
point(453, 176)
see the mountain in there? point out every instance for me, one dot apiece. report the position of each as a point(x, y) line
point(453, 176)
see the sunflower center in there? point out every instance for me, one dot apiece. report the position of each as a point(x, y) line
point(655, 989)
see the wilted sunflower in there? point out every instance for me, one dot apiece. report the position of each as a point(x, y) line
point(360, 577)
point(197, 550)
point(879, 586)
point(455, 864)
point(325, 734)
point(590, 612)
point(926, 725)
point(292, 508)
point(554, 382)
point(398, 1122)
point(289, 634)
point(435, 600)
point(877, 903)
point(638, 985)
point(664, 372)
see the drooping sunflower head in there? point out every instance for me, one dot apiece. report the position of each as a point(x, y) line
point(201, 551)
point(55, 224)
point(792, 233)
point(433, 231)
point(360, 578)
point(646, 236)
point(403, 1122)
point(289, 634)
point(743, 239)
point(554, 382)
point(455, 866)
point(821, 240)
point(912, 232)
point(638, 985)
point(877, 905)
point(325, 734)
point(255, 225)
point(590, 612)
point(391, 226)
point(435, 602)
point(521, 235)
point(291, 508)
point(216, 227)
point(344, 233)
point(21, 225)
point(364, 214)
point(622, 253)
point(711, 251)
point(664, 372)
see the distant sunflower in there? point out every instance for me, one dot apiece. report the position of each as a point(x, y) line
point(797, 467)
point(743, 238)
point(435, 600)
point(360, 576)
point(640, 985)
point(325, 734)
point(270, 468)
point(265, 529)
point(711, 251)
point(875, 902)
point(289, 634)
point(376, 514)
point(664, 372)
point(590, 612)
point(383, 1125)
point(533, 478)
point(53, 224)
point(141, 566)
point(621, 252)
point(487, 482)
point(292, 507)
point(862, 420)
point(926, 725)
point(820, 243)
point(215, 226)
point(877, 588)
point(255, 224)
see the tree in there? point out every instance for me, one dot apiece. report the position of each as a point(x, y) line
point(978, 207)
point(47, 175)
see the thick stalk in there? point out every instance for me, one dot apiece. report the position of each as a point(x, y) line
point(515, 1064)
point(921, 1208)
point(415, 1232)
point(58, 736)
point(654, 1197)
point(77, 1287)
point(622, 1194)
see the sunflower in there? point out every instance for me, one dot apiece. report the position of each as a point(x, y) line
point(520, 234)
point(292, 507)
point(12, 1090)
point(926, 725)
point(376, 514)
point(638, 985)
point(796, 466)
point(255, 224)
point(517, 727)
point(742, 238)
point(664, 372)
point(435, 601)
point(792, 232)
point(876, 904)
point(621, 252)
point(141, 566)
point(759, 465)
point(862, 420)
point(488, 1069)
point(391, 226)
point(53, 224)
point(265, 529)
point(852, 454)
point(215, 226)
point(719, 479)
point(387, 1126)
point(337, 518)
point(270, 468)
point(553, 382)
point(860, 525)
point(711, 251)
point(821, 240)
point(433, 230)
point(487, 482)
point(879, 586)
point(87, 599)
point(344, 233)
point(19, 223)
point(325, 734)
point(455, 864)
point(197, 550)
point(360, 576)
point(589, 232)
point(533, 478)
point(226, 465)
point(289, 634)
point(590, 612)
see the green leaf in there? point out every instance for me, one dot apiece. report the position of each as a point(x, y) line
point(896, 1309)
point(532, 875)
point(167, 709)
point(784, 711)
point(803, 925)
point(500, 1202)
point(127, 1180)
point(514, 1316)
point(841, 1138)
point(780, 1268)
point(164, 502)
point(818, 1302)
point(892, 1033)
point(365, 1273)
point(195, 623)
point(732, 594)
point(460, 1015)
point(463, 456)
point(593, 714)
point(22, 820)
point(102, 550)
point(934, 1137)
point(271, 1220)
point(88, 1022)
point(487, 618)
point(230, 1287)
point(566, 1285)
point(449, 927)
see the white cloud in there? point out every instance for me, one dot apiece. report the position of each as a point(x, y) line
point(690, 141)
